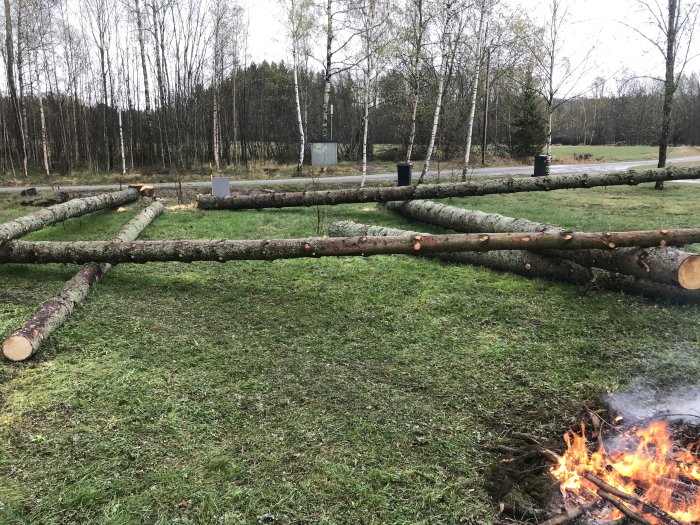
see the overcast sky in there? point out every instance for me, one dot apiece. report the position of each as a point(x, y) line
point(590, 22)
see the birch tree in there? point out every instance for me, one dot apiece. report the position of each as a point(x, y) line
point(484, 8)
point(450, 25)
point(299, 23)
point(419, 18)
point(373, 28)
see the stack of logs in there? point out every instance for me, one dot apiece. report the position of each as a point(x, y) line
point(641, 262)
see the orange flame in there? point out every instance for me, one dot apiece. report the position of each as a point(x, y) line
point(645, 464)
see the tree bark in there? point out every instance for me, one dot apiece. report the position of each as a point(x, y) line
point(531, 264)
point(60, 212)
point(28, 338)
point(663, 265)
point(475, 91)
point(669, 85)
point(9, 67)
point(438, 191)
point(80, 252)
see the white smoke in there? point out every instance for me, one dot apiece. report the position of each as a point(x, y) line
point(682, 404)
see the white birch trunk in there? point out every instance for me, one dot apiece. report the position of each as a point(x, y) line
point(475, 91)
point(215, 133)
point(365, 132)
point(302, 138)
point(44, 138)
point(436, 122)
point(121, 141)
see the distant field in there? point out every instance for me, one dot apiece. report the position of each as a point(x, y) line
point(565, 154)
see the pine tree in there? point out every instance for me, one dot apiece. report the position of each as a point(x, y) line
point(529, 125)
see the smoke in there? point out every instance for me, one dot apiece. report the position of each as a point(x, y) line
point(682, 404)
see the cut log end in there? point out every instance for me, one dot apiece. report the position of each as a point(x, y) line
point(689, 273)
point(17, 348)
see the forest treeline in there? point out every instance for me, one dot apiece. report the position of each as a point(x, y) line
point(168, 85)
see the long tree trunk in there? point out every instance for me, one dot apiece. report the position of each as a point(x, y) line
point(60, 212)
point(475, 91)
point(662, 265)
point(42, 119)
point(485, 123)
point(80, 252)
point(669, 85)
point(436, 123)
point(300, 122)
point(530, 264)
point(419, 27)
point(28, 338)
point(365, 121)
point(146, 93)
point(12, 87)
point(438, 191)
point(121, 141)
point(327, 74)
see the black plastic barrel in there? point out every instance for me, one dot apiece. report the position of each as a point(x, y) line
point(405, 173)
point(541, 165)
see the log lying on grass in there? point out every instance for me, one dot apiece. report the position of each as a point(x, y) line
point(530, 264)
point(229, 250)
point(60, 212)
point(438, 191)
point(27, 339)
point(662, 265)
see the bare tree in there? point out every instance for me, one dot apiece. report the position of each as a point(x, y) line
point(484, 7)
point(299, 22)
point(419, 21)
point(451, 24)
point(560, 77)
point(676, 23)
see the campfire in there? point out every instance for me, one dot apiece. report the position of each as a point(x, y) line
point(642, 474)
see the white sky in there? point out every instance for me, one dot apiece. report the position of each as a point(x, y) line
point(590, 22)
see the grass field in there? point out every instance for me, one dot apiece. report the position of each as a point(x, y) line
point(271, 170)
point(354, 390)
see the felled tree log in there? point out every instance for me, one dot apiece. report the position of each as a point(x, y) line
point(530, 264)
point(437, 191)
point(60, 212)
point(228, 250)
point(28, 338)
point(662, 265)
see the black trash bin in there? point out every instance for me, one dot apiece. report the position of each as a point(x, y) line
point(542, 165)
point(405, 173)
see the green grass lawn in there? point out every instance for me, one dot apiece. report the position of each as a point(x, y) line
point(565, 154)
point(337, 390)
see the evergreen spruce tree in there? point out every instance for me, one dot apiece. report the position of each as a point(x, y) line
point(529, 125)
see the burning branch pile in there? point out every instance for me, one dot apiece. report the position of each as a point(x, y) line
point(641, 474)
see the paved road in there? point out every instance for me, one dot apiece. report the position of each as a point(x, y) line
point(478, 172)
